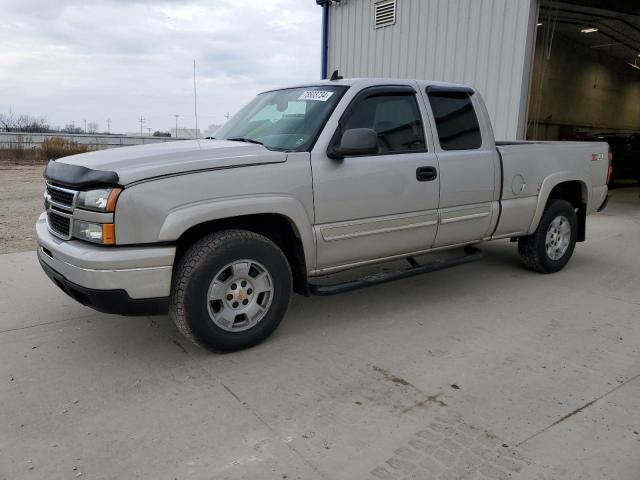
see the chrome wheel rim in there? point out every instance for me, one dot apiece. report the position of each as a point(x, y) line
point(240, 295)
point(558, 237)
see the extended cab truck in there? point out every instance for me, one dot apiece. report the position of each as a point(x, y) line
point(301, 183)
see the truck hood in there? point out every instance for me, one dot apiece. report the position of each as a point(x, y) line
point(131, 164)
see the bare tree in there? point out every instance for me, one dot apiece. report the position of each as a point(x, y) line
point(71, 128)
point(92, 127)
point(11, 122)
point(7, 121)
point(34, 125)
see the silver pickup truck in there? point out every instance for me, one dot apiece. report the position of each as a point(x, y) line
point(304, 182)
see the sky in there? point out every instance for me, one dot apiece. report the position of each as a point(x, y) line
point(93, 60)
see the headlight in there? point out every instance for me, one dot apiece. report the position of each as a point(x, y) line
point(101, 200)
point(103, 233)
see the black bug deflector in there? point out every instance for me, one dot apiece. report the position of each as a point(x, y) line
point(78, 176)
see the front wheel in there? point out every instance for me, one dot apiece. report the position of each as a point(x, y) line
point(550, 247)
point(231, 290)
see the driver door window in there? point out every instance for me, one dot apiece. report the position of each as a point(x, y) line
point(395, 118)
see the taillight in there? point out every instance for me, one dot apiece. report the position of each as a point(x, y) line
point(610, 171)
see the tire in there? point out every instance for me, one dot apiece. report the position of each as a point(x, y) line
point(534, 251)
point(214, 279)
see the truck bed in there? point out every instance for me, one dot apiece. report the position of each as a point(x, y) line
point(528, 166)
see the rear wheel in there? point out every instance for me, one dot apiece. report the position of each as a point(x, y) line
point(231, 290)
point(550, 247)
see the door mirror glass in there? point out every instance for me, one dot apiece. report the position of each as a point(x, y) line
point(354, 142)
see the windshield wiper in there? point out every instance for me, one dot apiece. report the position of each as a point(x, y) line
point(244, 139)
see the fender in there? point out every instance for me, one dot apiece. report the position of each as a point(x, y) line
point(548, 185)
point(180, 219)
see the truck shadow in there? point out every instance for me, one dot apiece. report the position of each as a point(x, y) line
point(419, 295)
point(421, 298)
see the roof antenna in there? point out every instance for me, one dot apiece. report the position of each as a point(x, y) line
point(336, 76)
point(195, 99)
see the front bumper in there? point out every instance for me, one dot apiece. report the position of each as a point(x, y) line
point(107, 301)
point(125, 280)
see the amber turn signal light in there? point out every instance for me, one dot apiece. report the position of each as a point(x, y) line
point(108, 234)
point(113, 198)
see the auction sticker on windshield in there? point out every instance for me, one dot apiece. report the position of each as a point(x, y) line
point(318, 95)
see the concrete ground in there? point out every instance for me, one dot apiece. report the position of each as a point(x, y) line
point(484, 371)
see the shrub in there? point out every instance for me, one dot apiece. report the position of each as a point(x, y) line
point(16, 152)
point(56, 147)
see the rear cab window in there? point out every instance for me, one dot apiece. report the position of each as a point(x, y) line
point(456, 120)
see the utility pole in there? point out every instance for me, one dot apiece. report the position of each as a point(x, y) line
point(149, 130)
point(141, 120)
point(227, 116)
point(176, 115)
point(108, 125)
point(85, 126)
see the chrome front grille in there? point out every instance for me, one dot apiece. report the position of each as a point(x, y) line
point(61, 196)
point(59, 224)
point(59, 203)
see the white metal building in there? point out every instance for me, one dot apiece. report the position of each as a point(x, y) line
point(492, 44)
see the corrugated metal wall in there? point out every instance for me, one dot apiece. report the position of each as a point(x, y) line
point(485, 43)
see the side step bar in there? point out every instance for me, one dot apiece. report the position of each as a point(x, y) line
point(472, 254)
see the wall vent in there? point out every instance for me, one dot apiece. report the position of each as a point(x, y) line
point(384, 13)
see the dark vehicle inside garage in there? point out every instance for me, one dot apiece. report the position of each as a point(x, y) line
point(625, 148)
point(585, 82)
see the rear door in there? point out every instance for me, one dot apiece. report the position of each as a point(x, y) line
point(469, 165)
point(376, 206)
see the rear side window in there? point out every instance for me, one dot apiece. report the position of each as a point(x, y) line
point(456, 121)
point(395, 118)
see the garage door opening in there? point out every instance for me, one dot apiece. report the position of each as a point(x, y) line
point(585, 83)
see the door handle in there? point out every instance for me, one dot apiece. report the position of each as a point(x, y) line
point(426, 174)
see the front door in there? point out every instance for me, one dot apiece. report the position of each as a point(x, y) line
point(382, 205)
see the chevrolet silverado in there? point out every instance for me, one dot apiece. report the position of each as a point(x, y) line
point(301, 183)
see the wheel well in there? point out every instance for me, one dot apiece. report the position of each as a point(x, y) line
point(569, 191)
point(277, 228)
point(573, 193)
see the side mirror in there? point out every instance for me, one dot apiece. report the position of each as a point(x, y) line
point(354, 142)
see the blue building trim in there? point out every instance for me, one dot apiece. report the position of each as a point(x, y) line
point(325, 36)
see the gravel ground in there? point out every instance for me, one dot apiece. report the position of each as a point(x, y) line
point(21, 188)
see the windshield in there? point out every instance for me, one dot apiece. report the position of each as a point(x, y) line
point(287, 119)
